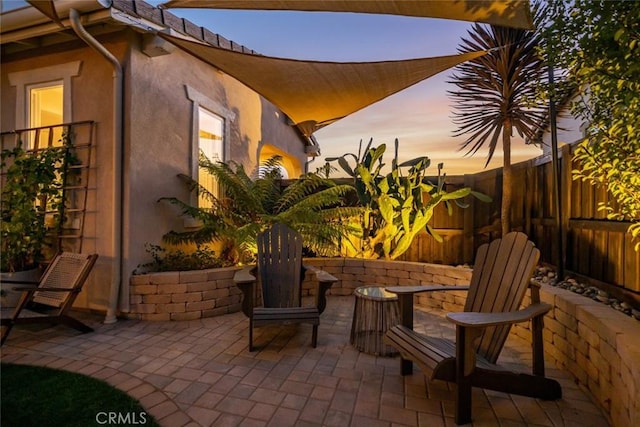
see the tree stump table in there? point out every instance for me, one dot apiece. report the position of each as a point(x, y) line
point(375, 311)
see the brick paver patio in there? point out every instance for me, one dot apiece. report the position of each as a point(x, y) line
point(200, 373)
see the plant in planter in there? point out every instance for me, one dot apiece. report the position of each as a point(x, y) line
point(397, 205)
point(312, 205)
point(178, 260)
point(32, 202)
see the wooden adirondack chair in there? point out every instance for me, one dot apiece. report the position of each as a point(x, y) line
point(500, 278)
point(49, 300)
point(281, 274)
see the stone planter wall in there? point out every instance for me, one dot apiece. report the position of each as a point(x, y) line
point(359, 272)
point(599, 346)
point(184, 295)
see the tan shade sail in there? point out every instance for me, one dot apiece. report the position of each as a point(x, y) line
point(47, 8)
point(507, 13)
point(312, 93)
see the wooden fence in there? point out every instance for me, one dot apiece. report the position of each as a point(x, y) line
point(594, 247)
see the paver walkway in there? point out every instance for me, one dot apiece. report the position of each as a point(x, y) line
point(200, 373)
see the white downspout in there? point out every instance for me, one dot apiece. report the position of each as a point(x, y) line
point(118, 90)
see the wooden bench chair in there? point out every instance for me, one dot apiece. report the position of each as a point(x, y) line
point(281, 273)
point(501, 276)
point(49, 300)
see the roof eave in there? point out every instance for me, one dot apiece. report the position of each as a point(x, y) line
point(28, 16)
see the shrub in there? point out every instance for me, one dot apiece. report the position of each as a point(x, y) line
point(178, 260)
point(32, 202)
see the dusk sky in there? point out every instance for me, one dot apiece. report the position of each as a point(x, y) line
point(420, 116)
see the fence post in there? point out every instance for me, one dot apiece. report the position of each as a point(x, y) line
point(565, 197)
point(468, 249)
point(528, 198)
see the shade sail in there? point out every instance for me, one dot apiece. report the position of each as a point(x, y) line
point(507, 13)
point(313, 93)
point(47, 8)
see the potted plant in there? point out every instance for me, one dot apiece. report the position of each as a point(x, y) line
point(31, 200)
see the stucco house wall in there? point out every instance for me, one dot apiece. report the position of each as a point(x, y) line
point(159, 130)
point(91, 100)
point(160, 135)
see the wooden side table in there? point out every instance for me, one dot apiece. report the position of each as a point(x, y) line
point(375, 311)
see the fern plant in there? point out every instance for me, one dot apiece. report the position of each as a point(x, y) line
point(311, 205)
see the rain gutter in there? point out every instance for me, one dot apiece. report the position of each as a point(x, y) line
point(118, 90)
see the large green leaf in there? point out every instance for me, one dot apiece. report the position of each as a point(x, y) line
point(403, 244)
point(433, 234)
point(386, 207)
point(377, 153)
point(366, 178)
point(481, 196)
point(405, 213)
point(383, 186)
point(345, 166)
point(457, 194)
point(421, 219)
point(420, 163)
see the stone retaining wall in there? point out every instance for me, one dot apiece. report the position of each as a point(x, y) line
point(599, 346)
point(184, 295)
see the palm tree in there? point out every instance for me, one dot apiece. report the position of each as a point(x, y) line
point(497, 93)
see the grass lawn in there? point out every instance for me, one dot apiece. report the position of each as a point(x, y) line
point(36, 396)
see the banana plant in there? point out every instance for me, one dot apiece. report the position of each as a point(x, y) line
point(399, 204)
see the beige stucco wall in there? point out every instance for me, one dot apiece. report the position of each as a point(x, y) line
point(92, 100)
point(160, 134)
point(158, 130)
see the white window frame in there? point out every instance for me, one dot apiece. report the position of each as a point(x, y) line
point(220, 151)
point(29, 88)
point(25, 80)
point(200, 100)
point(30, 119)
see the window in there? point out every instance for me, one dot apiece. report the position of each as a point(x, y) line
point(210, 137)
point(45, 108)
point(43, 98)
point(211, 145)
